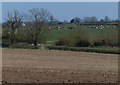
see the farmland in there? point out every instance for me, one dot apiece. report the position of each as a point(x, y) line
point(82, 36)
point(56, 32)
point(93, 33)
point(44, 66)
point(39, 47)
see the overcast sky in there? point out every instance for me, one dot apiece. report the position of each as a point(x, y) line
point(66, 10)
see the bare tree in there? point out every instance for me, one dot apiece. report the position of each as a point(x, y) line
point(106, 19)
point(38, 17)
point(90, 19)
point(52, 19)
point(93, 19)
point(86, 19)
point(14, 21)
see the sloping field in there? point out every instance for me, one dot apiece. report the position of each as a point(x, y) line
point(45, 66)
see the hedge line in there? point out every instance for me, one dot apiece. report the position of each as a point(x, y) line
point(22, 46)
point(83, 49)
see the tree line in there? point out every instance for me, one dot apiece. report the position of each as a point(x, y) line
point(91, 19)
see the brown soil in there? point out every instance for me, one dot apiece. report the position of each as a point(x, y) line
point(45, 66)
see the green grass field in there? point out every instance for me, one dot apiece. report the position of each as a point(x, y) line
point(89, 33)
point(85, 32)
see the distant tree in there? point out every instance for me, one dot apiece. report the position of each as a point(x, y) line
point(90, 19)
point(39, 17)
point(75, 20)
point(72, 21)
point(14, 21)
point(102, 20)
point(93, 19)
point(86, 19)
point(106, 19)
point(65, 21)
point(52, 20)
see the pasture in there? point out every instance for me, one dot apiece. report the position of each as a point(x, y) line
point(45, 66)
point(110, 35)
point(93, 34)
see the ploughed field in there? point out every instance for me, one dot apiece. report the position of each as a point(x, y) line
point(54, 66)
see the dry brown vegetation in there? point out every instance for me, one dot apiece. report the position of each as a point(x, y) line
point(44, 66)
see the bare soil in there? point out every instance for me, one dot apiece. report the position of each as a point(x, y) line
point(53, 66)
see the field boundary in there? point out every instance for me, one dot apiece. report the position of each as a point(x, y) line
point(78, 49)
